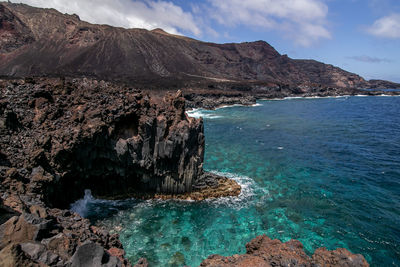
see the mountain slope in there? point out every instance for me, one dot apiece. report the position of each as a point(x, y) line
point(38, 41)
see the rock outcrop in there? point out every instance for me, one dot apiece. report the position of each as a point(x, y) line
point(45, 42)
point(59, 137)
point(63, 137)
point(265, 252)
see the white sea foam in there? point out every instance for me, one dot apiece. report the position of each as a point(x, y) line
point(239, 105)
point(197, 113)
point(388, 95)
point(249, 190)
point(318, 97)
point(81, 206)
point(248, 185)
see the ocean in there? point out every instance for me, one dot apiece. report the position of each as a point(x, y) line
point(324, 171)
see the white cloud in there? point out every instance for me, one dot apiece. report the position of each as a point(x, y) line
point(301, 20)
point(387, 27)
point(146, 14)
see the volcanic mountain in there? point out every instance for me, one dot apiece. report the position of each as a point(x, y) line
point(45, 42)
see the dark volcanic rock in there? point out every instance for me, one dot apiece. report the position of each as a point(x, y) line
point(263, 251)
point(86, 134)
point(37, 41)
point(65, 136)
point(91, 254)
point(212, 100)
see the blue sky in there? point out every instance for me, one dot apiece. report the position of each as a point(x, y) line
point(361, 36)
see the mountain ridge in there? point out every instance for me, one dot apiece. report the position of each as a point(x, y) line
point(45, 42)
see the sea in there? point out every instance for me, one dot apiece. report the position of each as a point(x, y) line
point(324, 171)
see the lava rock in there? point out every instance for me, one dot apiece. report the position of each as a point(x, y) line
point(263, 251)
point(93, 255)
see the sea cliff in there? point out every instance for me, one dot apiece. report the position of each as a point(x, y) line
point(59, 137)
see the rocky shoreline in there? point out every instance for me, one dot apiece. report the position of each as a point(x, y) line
point(263, 251)
point(215, 99)
point(61, 136)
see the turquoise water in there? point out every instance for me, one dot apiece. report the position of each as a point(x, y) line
point(323, 171)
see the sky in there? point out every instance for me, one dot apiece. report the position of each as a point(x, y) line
point(360, 36)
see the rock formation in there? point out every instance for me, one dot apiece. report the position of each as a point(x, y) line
point(59, 137)
point(263, 251)
point(65, 137)
point(45, 42)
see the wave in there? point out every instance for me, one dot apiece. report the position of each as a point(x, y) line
point(81, 206)
point(250, 189)
point(317, 97)
point(387, 95)
point(239, 105)
point(197, 113)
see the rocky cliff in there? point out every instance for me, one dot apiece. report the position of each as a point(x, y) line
point(59, 137)
point(37, 41)
point(67, 136)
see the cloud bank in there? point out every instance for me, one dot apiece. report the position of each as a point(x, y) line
point(127, 13)
point(304, 21)
point(386, 27)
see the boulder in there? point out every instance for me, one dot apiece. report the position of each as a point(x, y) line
point(91, 254)
point(263, 251)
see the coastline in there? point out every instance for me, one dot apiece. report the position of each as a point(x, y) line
point(73, 127)
point(294, 97)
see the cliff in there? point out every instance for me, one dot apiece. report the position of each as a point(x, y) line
point(67, 136)
point(44, 42)
point(59, 137)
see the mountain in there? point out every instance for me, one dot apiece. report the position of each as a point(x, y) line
point(45, 42)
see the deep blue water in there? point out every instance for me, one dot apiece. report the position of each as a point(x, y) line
point(323, 171)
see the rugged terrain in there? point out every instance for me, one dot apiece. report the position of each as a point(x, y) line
point(263, 251)
point(59, 137)
point(44, 42)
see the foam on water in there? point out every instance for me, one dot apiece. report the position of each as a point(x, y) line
point(197, 113)
point(81, 205)
point(239, 105)
point(304, 97)
point(328, 186)
point(249, 190)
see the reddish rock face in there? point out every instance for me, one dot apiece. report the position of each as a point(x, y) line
point(13, 32)
point(45, 42)
point(265, 252)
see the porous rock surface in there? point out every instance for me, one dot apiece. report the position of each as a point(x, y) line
point(64, 137)
point(265, 252)
point(59, 137)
